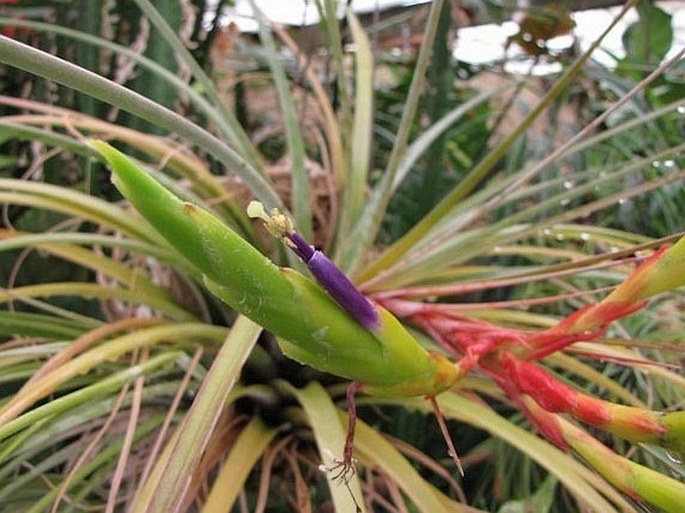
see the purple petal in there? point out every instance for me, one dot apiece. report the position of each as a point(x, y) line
point(335, 282)
point(301, 248)
point(343, 290)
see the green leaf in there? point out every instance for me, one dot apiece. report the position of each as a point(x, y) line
point(226, 119)
point(355, 181)
point(648, 40)
point(37, 325)
point(7, 161)
point(480, 172)
point(582, 482)
point(380, 452)
point(65, 403)
point(167, 484)
point(150, 66)
point(366, 228)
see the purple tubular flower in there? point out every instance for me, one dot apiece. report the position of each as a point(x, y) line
point(301, 248)
point(335, 282)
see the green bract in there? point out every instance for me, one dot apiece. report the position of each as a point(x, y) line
point(314, 329)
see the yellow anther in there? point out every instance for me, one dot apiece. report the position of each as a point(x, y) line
point(282, 223)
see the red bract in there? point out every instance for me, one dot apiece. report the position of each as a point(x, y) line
point(627, 298)
point(507, 356)
point(557, 397)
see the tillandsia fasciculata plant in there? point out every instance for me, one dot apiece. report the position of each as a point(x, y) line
point(544, 337)
point(365, 343)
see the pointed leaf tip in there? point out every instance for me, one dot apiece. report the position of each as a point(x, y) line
point(669, 270)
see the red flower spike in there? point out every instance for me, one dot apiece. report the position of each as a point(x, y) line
point(554, 396)
point(548, 342)
point(506, 355)
point(635, 424)
point(545, 423)
point(595, 317)
point(626, 299)
point(472, 338)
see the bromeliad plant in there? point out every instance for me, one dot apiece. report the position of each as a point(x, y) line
point(397, 329)
point(341, 332)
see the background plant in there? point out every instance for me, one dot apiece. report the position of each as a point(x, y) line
point(115, 327)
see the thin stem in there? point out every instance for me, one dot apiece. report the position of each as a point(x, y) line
point(452, 450)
